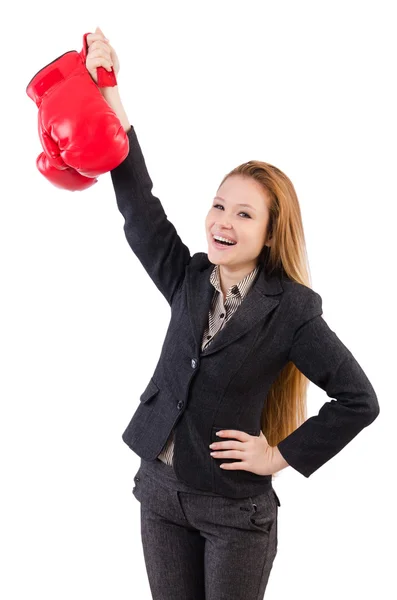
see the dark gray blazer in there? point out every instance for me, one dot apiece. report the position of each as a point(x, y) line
point(225, 386)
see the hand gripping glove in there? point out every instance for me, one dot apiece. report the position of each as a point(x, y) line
point(105, 78)
point(81, 135)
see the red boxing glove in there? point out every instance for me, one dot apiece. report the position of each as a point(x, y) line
point(66, 179)
point(77, 127)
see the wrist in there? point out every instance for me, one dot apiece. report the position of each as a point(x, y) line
point(112, 97)
point(109, 90)
point(278, 461)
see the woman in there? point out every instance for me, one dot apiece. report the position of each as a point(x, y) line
point(245, 336)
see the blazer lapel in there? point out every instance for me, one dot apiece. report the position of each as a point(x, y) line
point(260, 300)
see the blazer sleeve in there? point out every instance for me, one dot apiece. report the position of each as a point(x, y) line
point(321, 356)
point(151, 236)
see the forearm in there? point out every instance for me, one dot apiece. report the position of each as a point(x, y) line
point(112, 97)
point(151, 236)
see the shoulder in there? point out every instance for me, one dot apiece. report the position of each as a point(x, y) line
point(303, 302)
point(200, 261)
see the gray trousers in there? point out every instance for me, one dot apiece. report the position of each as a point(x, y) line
point(203, 546)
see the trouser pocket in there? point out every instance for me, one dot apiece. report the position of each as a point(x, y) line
point(263, 510)
point(277, 498)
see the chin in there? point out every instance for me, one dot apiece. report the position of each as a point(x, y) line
point(218, 260)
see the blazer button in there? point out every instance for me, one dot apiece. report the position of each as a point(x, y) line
point(194, 363)
point(180, 404)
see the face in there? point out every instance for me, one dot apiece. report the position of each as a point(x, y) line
point(246, 225)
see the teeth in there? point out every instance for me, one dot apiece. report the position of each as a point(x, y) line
point(218, 237)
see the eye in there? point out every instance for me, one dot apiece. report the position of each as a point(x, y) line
point(241, 213)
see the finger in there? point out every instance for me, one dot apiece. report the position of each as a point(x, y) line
point(99, 53)
point(100, 44)
point(227, 454)
point(229, 445)
point(234, 433)
point(93, 37)
point(99, 31)
point(99, 62)
point(234, 466)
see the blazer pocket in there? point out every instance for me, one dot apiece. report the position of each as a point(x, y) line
point(150, 391)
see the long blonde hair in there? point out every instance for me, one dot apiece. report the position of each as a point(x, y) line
point(285, 406)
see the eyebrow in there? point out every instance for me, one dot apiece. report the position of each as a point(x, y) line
point(248, 205)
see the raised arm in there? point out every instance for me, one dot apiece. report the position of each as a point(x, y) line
point(152, 237)
point(321, 356)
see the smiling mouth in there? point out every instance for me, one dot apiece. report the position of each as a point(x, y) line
point(222, 245)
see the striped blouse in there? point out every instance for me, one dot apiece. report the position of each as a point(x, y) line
point(219, 314)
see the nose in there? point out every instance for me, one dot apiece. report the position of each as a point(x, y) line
point(224, 224)
point(225, 229)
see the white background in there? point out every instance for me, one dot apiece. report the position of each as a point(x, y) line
point(307, 86)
